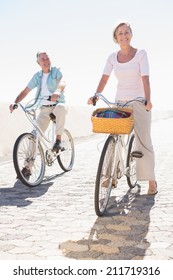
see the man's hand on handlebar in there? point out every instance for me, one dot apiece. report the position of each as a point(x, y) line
point(54, 97)
point(12, 107)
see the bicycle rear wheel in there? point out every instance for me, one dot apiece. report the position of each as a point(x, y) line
point(131, 164)
point(104, 178)
point(29, 162)
point(66, 156)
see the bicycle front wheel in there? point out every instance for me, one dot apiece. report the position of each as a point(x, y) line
point(131, 164)
point(66, 156)
point(29, 162)
point(104, 177)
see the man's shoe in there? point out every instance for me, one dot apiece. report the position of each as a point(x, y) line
point(57, 146)
point(26, 172)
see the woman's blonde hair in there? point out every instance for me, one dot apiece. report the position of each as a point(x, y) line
point(116, 29)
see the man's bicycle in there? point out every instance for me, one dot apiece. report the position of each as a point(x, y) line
point(33, 151)
point(119, 154)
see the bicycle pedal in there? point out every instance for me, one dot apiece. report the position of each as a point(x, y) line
point(60, 150)
point(137, 154)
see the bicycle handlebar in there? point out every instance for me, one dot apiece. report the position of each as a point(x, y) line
point(94, 100)
point(49, 98)
point(103, 98)
point(16, 105)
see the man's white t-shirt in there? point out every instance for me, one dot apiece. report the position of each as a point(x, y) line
point(128, 74)
point(44, 90)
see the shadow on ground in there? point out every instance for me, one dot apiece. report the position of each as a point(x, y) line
point(21, 196)
point(120, 234)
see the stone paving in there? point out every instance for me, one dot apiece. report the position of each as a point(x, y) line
point(56, 220)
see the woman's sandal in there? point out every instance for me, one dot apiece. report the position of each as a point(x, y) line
point(153, 191)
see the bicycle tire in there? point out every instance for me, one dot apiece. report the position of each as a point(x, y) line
point(102, 193)
point(131, 164)
point(23, 151)
point(67, 154)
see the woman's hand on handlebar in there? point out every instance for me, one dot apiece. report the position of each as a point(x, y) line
point(148, 105)
point(92, 100)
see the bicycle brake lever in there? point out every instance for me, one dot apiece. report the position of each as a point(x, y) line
point(15, 106)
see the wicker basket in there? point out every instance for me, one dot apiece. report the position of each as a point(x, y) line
point(112, 125)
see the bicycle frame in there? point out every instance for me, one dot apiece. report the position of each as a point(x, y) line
point(121, 150)
point(117, 159)
point(33, 150)
point(120, 138)
point(38, 133)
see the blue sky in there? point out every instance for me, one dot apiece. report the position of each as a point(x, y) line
point(78, 37)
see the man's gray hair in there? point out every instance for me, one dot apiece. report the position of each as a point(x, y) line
point(38, 54)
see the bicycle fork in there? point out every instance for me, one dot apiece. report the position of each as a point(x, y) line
point(117, 163)
point(119, 166)
point(31, 151)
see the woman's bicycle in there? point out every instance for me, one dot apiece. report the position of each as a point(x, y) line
point(119, 154)
point(33, 151)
